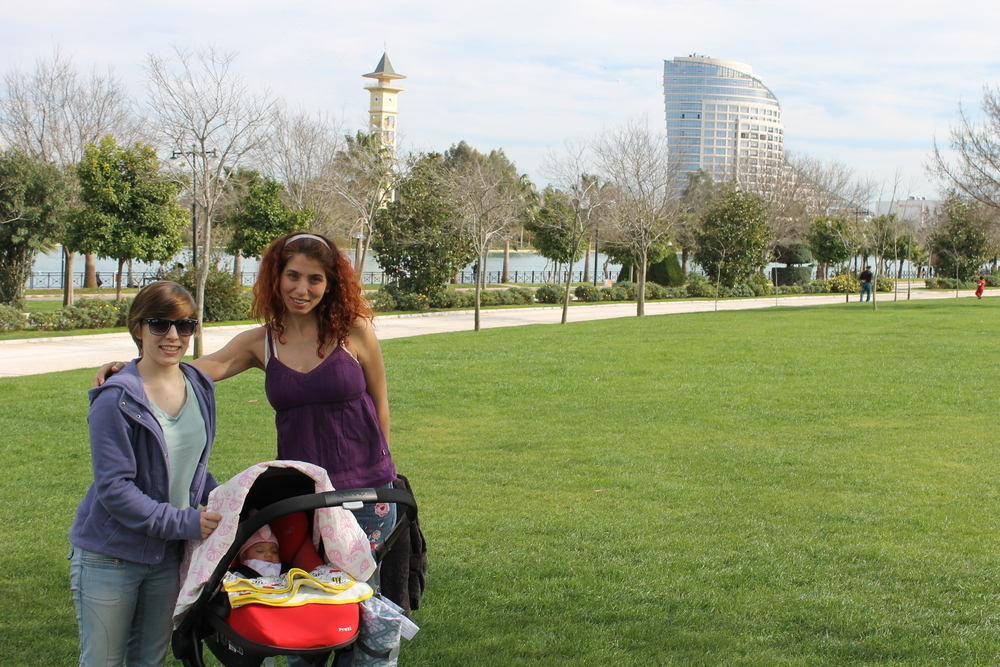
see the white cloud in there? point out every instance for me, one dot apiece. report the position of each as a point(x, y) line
point(867, 82)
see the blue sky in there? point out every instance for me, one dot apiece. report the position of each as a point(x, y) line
point(865, 83)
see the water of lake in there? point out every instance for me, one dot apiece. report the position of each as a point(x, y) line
point(52, 262)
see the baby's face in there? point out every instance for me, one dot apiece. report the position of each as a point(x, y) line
point(265, 551)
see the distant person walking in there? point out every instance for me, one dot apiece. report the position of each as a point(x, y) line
point(866, 284)
point(980, 286)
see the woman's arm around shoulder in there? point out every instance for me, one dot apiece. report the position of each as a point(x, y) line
point(244, 351)
point(364, 344)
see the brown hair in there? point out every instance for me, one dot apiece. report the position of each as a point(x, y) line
point(160, 299)
point(341, 305)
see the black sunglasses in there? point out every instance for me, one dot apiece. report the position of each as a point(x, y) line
point(159, 326)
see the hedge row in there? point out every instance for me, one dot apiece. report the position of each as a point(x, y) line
point(389, 298)
point(226, 301)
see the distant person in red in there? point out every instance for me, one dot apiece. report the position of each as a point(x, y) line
point(980, 286)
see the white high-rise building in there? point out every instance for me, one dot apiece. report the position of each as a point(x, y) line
point(723, 119)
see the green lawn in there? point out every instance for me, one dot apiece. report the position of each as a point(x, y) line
point(801, 486)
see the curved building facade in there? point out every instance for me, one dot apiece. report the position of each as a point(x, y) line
point(723, 119)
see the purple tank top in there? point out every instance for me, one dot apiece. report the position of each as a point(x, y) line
point(326, 417)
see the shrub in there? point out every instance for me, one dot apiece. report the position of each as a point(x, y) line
point(679, 292)
point(743, 290)
point(793, 275)
point(702, 289)
point(666, 272)
point(450, 298)
point(654, 291)
point(993, 279)
point(588, 293)
point(225, 298)
point(97, 313)
point(57, 320)
point(409, 301)
point(11, 319)
point(886, 284)
point(948, 283)
point(844, 283)
point(549, 293)
point(819, 286)
point(522, 295)
point(382, 301)
point(630, 288)
point(614, 293)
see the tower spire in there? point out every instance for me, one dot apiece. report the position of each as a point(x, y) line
point(382, 109)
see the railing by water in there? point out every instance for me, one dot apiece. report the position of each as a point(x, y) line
point(54, 279)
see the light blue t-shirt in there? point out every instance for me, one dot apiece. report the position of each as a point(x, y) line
point(186, 439)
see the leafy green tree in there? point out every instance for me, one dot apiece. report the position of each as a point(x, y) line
point(961, 244)
point(33, 194)
point(733, 244)
point(700, 191)
point(832, 241)
point(552, 228)
point(259, 216)
point(131, 203)
point(416, 238)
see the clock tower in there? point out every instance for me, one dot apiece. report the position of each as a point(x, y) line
point(382, 109)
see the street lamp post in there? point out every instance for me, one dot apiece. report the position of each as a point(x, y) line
point(194, 196)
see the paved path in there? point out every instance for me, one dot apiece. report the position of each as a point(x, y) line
point(47, 355)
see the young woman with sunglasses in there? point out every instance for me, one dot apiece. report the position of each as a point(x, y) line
point(151, 430)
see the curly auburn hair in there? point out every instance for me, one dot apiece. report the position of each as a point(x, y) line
point(341, 305)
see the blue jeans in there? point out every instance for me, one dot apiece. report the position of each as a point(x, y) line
point(124, 609)
point(866, 290)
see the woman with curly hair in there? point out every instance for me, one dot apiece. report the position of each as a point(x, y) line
point(324, 374)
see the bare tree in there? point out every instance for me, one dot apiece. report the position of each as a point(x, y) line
point(803, 188)
point(55, 112)
point(646, 190)
point(212, 116)
point(487, 192)
point(363, 176)
point(303, 147)
point(975, 171)
point(588, 197)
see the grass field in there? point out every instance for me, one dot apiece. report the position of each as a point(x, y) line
point(808, 486)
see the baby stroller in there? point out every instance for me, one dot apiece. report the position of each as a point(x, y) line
point(261, 495)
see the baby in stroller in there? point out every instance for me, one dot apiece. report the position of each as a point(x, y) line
point(259, 556)
point(312, 608)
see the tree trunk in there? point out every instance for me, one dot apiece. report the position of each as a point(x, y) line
point(684, 263)
point(118, 283)
point(238, 266)
point(480, 282)
point(90, 271)
point(586, 263)
point(200, 291)
point(68, 278)
point(131, 280)
point(640, 295)
point(505, 276)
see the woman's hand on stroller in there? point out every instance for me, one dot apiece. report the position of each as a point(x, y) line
point(209, 522)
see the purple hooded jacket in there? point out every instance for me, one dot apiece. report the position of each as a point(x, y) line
point(126, 513)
